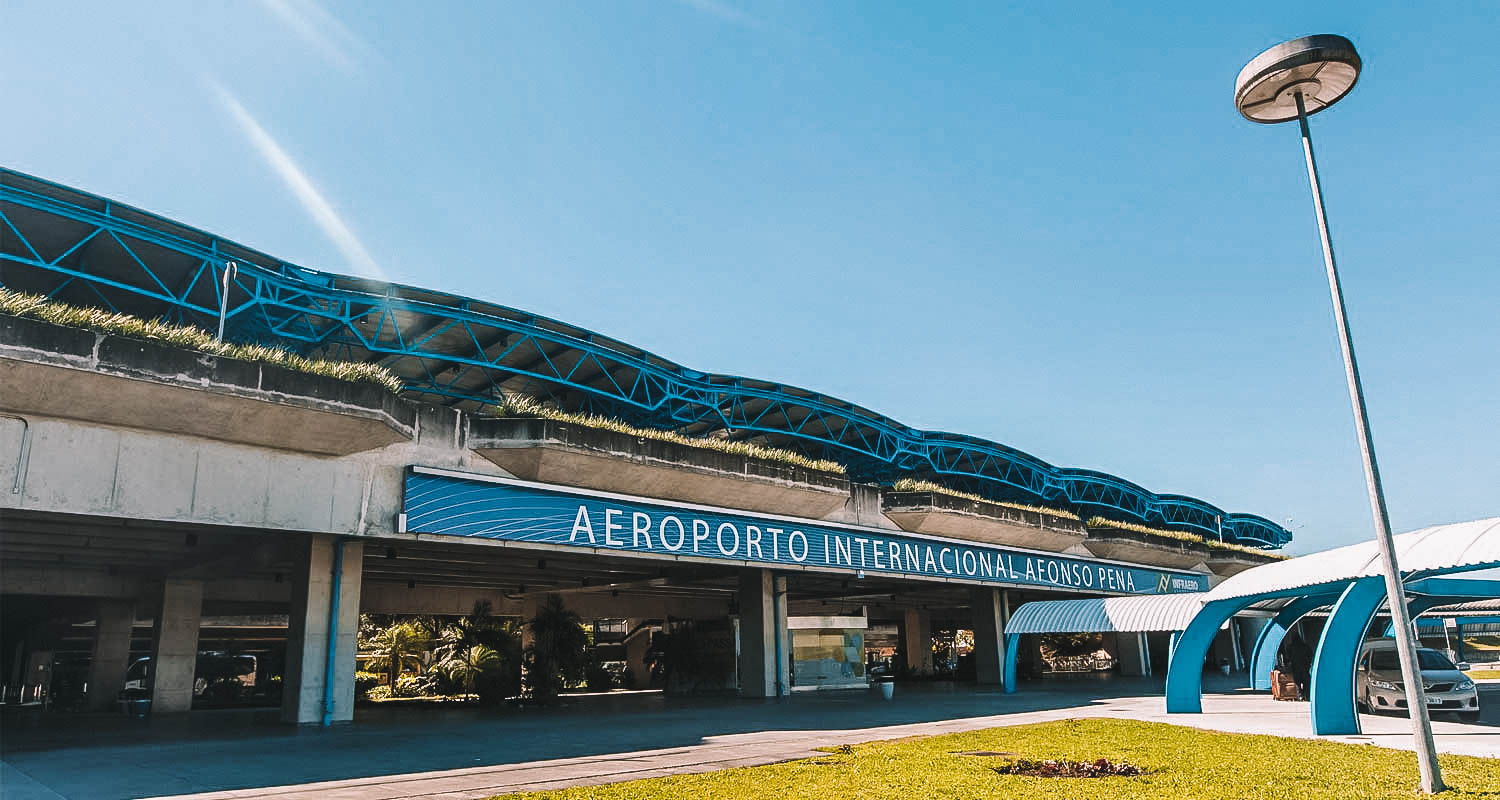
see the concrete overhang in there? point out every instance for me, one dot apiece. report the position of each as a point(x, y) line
point(942, 514)
point(58, 371)
point(552, 451)
point(1233, 562)
point(1120, 544)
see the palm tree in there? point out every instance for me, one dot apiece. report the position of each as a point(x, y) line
point(481, 653)
point(395, 644)
point(557, 654)
point(464, 665)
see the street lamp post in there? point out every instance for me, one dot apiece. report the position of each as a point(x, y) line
point(1294, 80)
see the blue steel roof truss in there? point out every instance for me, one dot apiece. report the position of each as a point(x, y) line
point(460, 351)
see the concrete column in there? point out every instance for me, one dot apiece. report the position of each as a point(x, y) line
point(989, 635)
point(636, 648)
point(304, 685)
point(1110, 644)
point(111, 656)
point(1131, 651)
point(174, 645)
point(762, 624)
point(916, 640)
point(1237, 661)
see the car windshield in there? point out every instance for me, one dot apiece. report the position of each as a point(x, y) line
point(1387, 661)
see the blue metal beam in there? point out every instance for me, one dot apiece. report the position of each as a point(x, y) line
point(1455, 590)
point(433, 341)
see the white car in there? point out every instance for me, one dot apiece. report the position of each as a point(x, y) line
point(1379, 687)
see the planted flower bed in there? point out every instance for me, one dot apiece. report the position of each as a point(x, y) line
point(1055, 768)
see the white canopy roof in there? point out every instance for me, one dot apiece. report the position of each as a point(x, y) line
point(1163, 612)
point(1458, 547)
point(1440, 548)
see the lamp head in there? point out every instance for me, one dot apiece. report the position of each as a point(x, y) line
point(1322, 68)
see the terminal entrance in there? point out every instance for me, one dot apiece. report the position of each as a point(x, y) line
point(447, 620)
point(493, 590)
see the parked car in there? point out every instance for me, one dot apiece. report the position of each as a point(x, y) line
point(217, 675)
point(1379, 686)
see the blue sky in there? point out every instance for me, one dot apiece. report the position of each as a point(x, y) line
point(1042, 225)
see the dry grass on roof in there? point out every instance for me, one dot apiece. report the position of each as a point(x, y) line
point(527, 407)
point(1181, 536)
point(187, 337)
point(914, 485)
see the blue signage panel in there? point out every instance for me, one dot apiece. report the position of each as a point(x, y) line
point(441, 502)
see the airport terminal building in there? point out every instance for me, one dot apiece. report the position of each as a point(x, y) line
point(161, 499)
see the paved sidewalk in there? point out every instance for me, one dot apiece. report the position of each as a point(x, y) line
point(1248, 714)
point(462, 754)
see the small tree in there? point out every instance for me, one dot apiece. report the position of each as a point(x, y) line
point(558, 652)
point(394, 645)
point(479, 652)
point(466, 665)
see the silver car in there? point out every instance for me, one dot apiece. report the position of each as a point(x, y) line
point(1379, 687)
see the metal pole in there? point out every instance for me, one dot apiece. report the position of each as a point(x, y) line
point(1416, 700)
point(231, 270)
point(331, 662)
point(778, 599)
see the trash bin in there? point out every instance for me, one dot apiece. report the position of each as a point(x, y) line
point(139, 708)
point(887, 686)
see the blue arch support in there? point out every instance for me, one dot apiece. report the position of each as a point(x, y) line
point(1012, 654)
point(1332, 685)
point(1185, 666)
point(1263, 657)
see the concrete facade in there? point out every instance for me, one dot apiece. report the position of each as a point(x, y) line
point(191, 480)
point(956, 517)
point(552, 451)
point(131, 382)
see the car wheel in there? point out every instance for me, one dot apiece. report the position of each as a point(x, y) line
point(1364, 704)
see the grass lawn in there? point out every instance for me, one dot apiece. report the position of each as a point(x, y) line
point(1485, 674)
point(1182, 763)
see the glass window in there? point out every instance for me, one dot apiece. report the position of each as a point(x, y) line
point(828, 657)
point(1386, 660)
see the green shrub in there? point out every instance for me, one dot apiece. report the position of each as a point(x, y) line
point(365, 681)
point(409, 686)
point(599, 678)
point(557, 656)
point(378, 693)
